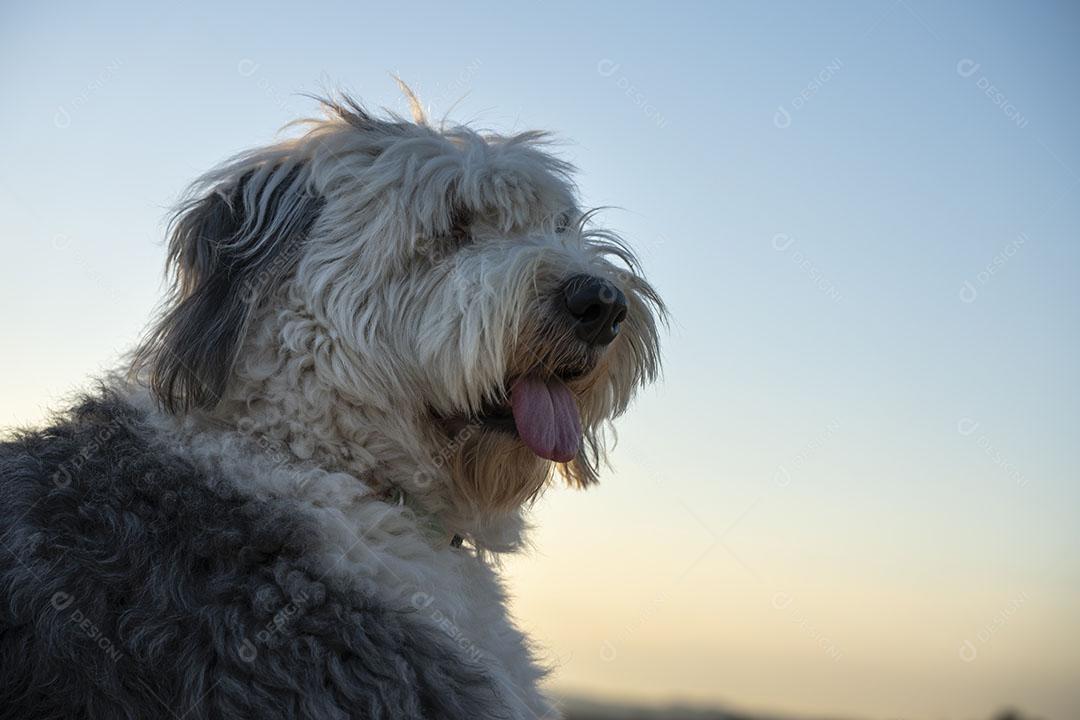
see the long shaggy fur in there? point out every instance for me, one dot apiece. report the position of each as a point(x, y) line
point(305, 420)
point(137, 586)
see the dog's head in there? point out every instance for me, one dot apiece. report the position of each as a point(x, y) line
point(442, 285)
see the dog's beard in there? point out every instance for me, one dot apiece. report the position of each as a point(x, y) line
point(495, 472)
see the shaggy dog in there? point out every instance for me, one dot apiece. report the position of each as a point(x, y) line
point(383, 339)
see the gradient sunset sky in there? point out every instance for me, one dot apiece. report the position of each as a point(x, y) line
point(856, 489)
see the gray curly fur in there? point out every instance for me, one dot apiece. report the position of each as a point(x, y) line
point(134, 586)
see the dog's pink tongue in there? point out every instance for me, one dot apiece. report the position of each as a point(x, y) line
point(547, 417)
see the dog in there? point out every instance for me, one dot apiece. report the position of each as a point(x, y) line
point(383, 339)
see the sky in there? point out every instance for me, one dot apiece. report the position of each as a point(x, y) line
point(855, 491)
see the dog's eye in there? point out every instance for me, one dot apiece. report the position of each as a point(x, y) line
point(461, 226)
point(562, 222)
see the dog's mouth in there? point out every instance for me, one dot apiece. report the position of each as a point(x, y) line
point(541, 411)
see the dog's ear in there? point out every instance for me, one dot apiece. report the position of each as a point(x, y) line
point(241, 231)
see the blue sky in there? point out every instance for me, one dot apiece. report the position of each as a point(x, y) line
point(862, 215)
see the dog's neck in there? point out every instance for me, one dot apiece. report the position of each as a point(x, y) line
point(283, 398)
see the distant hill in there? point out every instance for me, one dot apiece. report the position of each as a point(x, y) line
point(577, 708)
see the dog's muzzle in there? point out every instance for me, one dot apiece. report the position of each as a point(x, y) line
point(597, 308)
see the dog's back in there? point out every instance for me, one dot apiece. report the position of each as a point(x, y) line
point(135, 585)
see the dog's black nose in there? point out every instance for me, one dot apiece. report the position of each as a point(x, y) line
point(597, 306)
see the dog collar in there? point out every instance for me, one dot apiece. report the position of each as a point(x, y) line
point(397, 496)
